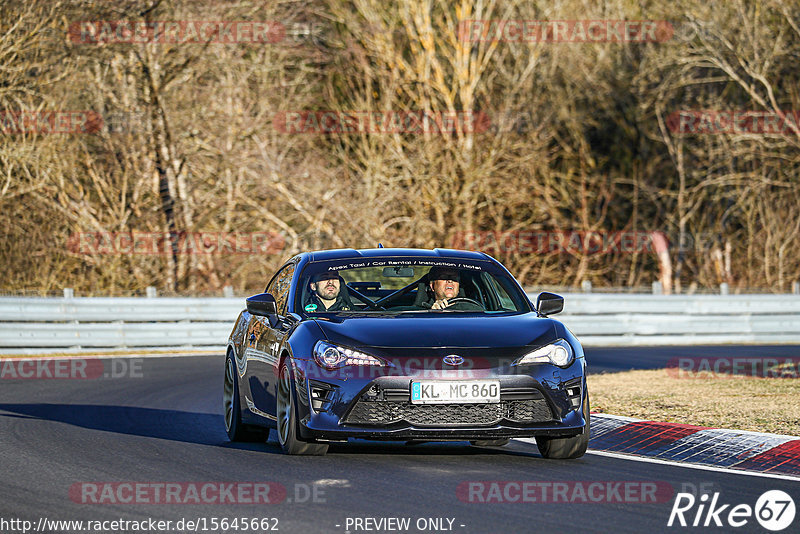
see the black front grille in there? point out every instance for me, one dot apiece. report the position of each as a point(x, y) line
point(380, 412)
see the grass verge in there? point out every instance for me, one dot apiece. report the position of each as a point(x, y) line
point(735, 402)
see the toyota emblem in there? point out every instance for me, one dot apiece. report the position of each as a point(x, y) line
point(453, 359)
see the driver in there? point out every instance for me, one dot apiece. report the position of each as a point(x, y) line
point(326, 294)
point(443, 286)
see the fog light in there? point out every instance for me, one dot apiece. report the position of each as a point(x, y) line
point(320, 397)
point(574, 394)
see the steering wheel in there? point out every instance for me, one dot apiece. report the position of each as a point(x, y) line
point(464, 299)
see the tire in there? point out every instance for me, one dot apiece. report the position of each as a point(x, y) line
point(236, 430)
point(490, 442)
point(287, 419)
point(567, 448)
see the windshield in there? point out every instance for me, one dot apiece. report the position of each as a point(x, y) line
point(407, 285)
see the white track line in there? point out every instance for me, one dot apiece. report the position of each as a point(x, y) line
point(648, 459)
point(693, 466)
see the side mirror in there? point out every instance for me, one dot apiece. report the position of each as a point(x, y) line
point(262, 304)
point(549, 303)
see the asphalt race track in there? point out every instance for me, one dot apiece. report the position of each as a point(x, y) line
point(160, 421)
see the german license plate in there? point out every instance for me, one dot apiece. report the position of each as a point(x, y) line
point(455, 391)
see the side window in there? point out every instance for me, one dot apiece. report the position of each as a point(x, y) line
point(273, 283)
point(279, 288)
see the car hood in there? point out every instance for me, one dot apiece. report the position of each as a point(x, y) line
point(432, 330)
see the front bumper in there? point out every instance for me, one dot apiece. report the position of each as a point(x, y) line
point(535, 400)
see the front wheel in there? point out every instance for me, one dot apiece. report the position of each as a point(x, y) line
point(287, 420)
point(567, 448)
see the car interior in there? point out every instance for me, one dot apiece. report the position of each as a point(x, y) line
point(369, 295)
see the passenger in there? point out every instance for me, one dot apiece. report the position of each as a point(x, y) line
point(327, 294)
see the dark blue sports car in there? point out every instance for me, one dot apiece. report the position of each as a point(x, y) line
point(404, 344)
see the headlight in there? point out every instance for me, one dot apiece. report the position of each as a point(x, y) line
point(558, 353)
point(332, 356)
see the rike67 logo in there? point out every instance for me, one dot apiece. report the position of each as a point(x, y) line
point(774, 510)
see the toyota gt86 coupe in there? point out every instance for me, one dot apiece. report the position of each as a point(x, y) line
point(403, 345)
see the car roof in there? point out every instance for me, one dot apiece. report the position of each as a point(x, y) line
point(347, 253)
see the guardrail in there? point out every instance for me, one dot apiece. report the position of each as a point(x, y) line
point(617, 320)
point(101, 322)
point(41, 324)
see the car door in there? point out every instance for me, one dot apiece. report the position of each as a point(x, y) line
point(262, 349)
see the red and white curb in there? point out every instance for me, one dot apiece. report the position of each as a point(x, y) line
point(733, 449)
